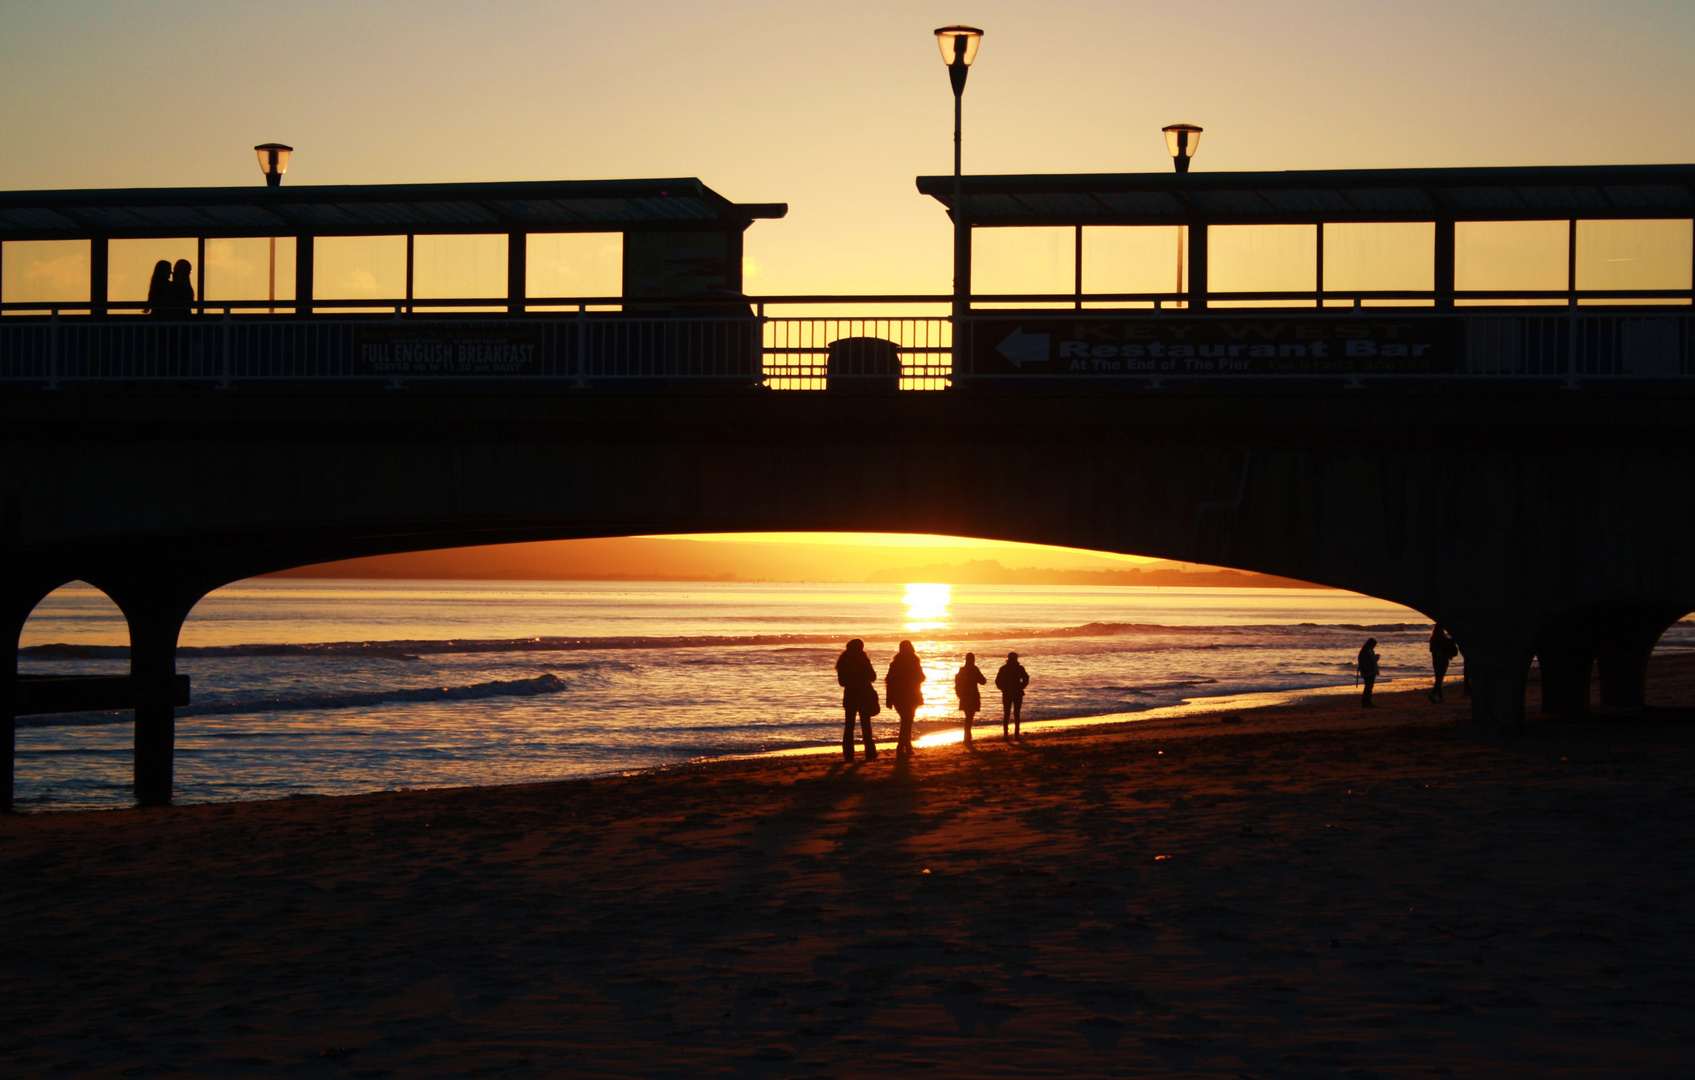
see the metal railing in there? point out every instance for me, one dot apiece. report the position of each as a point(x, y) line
point(417, 342)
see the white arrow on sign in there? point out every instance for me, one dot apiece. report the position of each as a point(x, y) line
point(1020, 348)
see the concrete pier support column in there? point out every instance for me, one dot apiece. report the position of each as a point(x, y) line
point(1565, 652)
point(1565, 681)
point(1497, 659)
point(15, 605)
point(1625, 641)
point(153, 665)
point(155, 613)
point(8, 716)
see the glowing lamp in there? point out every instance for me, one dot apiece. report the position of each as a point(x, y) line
point(959, 48)
point(1182, 140)
point(958, 44)
point(273, 161)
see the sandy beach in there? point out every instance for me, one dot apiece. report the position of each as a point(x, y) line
point(1304, 890)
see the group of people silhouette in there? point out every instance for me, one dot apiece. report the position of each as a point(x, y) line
point(170, 293)
point(903, 691)
point(1443, 649)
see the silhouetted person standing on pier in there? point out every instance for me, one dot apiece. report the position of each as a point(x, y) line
point(1367, 664)
point(1011, 680)
point(904, 686)
point(965, 684)
point(159, 290)
point(1442, 650)
point(182, 289)
point(858, 680)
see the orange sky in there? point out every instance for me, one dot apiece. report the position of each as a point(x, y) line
point(742, 556)
point(831, 107)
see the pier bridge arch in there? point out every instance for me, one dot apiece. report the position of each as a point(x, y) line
point(1558, 526)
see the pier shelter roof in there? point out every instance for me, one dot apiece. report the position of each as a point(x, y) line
point(668, 205)
point(1310, 197)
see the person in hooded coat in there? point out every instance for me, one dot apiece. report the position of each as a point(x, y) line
point(1011, 680)
point(904, 688)
point(965, 684)
point(858, 681)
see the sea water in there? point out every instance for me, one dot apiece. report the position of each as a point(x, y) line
point(332, 687)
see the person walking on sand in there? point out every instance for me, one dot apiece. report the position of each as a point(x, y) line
point(858, 681)
point(1367, 665)
point(1011, 680)
point(965, 684)
point(904, 687)
point(1442, 650)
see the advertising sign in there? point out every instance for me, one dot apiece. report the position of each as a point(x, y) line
point(1250, 344)
point(449, 349)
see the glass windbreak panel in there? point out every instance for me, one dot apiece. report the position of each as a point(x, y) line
point(459, 268)
point(1262, 258)
point(1135, 259)
point(1042, 259)
point(1511, 256)
point(574, 264)
point(1634, 255)
point(130, 263)
point(1380, 256)
point(360, 268)
point(250, 268)
point(43, 271)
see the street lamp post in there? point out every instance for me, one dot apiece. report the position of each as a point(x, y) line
point(959, 48)
point(1182, 140)
point(273, 162)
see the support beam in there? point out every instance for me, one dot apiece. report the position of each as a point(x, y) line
point(303, 275)
point(1444, 257)
point(1623, 648)
point(155, 605)
point(1565, 680)
point(8, 717)
point(17, 600)
point(99, 275)
point(1198, 266)
point(1497, 651)
point(517, 270)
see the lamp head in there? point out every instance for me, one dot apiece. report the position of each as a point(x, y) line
point(1182, 140)
point(958, 44)
point(273, 161)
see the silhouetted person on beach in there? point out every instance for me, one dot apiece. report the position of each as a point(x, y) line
point(159, 290)
point(965, 684)
point(904, 687)
point(182, 289)
point(858, 680)
point(1442, 650)
point(1367, 664)
point(1011, 680)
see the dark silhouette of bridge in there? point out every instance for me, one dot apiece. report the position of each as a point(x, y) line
point(1547, 523)
point(1525, 477)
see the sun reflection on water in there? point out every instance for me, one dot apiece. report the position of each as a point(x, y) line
point(927, 606)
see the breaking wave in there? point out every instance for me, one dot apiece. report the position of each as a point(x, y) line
point(541, 684)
